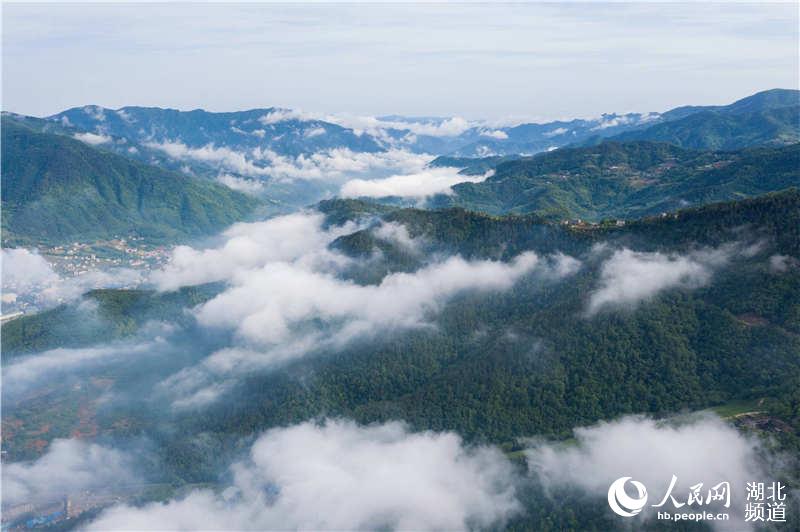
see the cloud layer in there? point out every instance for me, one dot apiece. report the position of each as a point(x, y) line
point(341, 476)
point(22, 372)
point(629, 277)
point(28, 275)
point(331, 165)
point(67, 467)
point(286, 295)
point(264, 306)
point(93, 139)
point(417, 185)
point(703, 449)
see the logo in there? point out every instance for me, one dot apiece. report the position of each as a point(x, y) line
point(621, 502)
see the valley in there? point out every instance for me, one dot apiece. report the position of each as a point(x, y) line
point(173, 327)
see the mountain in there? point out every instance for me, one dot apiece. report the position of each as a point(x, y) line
point(529, 361)
point(58, 189)
point(255, 143)
point(767, 118)
point(496, 367)
point(278, 130)
point(291, 133)
point(758, 102)
point(625, 180)
point(528, 139)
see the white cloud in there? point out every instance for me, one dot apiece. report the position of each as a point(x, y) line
point(417, 185)
point(397, 233)
point(96, 112)
point(702, 449)
point(484, 151)
point(250, 246)
point(340, 476)
point(222, 156)
point(284, 115)
point(329, 165)
point(23, 270)
point(495, 134)
point(68, 467)
point(125, 116)
point(270, 310)
point(285, 298)
point(606, 122)
point(93, 139)
point(248, 186)
point(449, 127)
point(360, 124)
point(555, 132)
point(630, 277)
point(782, 263)
point(27, 274)
point(20, 374)
point(314, 132)
point(263, 306)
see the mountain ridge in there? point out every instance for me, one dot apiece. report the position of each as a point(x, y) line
point(57, 189)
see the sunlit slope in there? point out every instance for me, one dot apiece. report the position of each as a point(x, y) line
point(58, 189)
point(626, 180)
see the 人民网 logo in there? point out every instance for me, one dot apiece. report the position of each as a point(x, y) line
point(622, 503)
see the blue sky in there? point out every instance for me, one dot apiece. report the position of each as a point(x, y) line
point(535, 61)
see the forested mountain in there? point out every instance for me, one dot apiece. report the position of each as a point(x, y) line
point(292, 133)
point(491, 313)
point(529, 361)
point(495, 367)
point(625, 180)
point(767, 118)
point(58, 189)
point(758, 102)
point(275, 129)
point(716, 130)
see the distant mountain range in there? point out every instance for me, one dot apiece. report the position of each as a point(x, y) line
point(57, 189)
point(155, 135)
point(624, 180)
point(150, 170)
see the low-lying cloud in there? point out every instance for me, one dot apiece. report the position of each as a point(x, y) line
point(417, 185)
point(249, 246)
point(248, 186)
point(630, 277)
point(377, 127)
point(286, 295)
point(703, 449)
point(26, 275)
point(93, 139)
point(341, 476)
point(263, 306)
point(68, 466)
point(25, 371)
point(331, 165)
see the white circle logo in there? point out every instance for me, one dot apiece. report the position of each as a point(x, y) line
point(621, 502)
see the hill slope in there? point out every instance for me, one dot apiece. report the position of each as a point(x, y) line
point(765, 118)
point(527, 361)
point(626, 180)
point(719, 130)
point(58, 189)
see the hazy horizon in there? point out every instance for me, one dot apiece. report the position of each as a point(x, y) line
point(535, 62)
